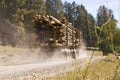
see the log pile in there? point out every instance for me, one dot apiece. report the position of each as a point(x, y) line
point(55, 33)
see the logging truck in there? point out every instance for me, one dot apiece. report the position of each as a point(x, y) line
point(53, 34)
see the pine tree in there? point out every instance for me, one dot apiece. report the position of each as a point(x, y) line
point(70, 11)
point(106, 25)
point(91, 28)
point(8, 8)
point(26, 11)
point(16, 18)
point(54, 8)
point(82, 22)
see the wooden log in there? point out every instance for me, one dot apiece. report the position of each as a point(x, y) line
point(54, 29)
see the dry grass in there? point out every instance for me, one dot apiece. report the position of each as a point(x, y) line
point(106, 69)
point(10, 55)
point(7, 50)
point(96, 53)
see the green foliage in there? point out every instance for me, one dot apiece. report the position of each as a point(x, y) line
point(70, 11)
point(54, 8)
point(92, 39)
point(117, 48)
point(7, 29)
point(116, 40)
point(85, 22)
point(16, 18)
point(77, 14)
point(106, 27)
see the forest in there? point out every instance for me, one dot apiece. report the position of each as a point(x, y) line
point(16, 23)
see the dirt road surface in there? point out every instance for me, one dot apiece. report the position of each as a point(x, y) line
point(42, 69)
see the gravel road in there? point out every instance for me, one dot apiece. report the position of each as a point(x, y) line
point(43, 69)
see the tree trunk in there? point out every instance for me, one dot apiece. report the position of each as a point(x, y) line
point(4, 39)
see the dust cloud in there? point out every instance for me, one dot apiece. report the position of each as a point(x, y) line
point(24, 55)
point(83, 52)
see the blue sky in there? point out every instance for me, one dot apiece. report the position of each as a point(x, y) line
point(93, 5)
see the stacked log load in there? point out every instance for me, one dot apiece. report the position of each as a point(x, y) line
point(52, 32)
